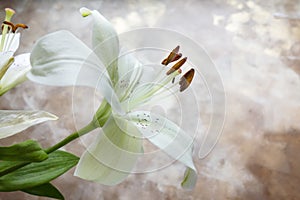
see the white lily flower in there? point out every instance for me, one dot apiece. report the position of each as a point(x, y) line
point(12, 69)
point(12, 72)
point(58, 58)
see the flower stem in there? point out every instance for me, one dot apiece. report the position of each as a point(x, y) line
point(99, 120)
point(88, 128)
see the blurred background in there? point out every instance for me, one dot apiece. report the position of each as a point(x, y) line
point(255, 46)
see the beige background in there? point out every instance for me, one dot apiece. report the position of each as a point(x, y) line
point(257, 55)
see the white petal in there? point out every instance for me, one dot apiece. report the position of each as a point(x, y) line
point(105, 39)
point(130, 71)
point(14, 121)
point(104, 86)
point(126, 63)
point(16, 73)
point(57, 59)
point(12, 41)
point(166, 135)
point(190, 179)
point(112, 156)
point(61, 59)
point(5, 57)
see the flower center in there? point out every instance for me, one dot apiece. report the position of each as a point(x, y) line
point(9, 30)
point(165, 81)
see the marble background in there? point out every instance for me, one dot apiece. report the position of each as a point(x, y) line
point(256, 48)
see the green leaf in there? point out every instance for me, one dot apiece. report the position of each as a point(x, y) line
point(5, 165)
point(35, 174)
point(45, 190)
point(25, 151)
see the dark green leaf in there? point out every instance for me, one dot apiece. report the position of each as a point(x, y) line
point(45, 190)
point(4, 165)
point(7, 167)
point(25, 151)
point(39, 173)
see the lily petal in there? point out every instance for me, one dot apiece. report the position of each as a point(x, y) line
point(166, 135)
point(61, 59)
point(12, 41)
point(105, 40)
point(57, 59)
point(190, 179)
point(16, 73)
point(113, 155)
point(130, 71)
point(5, 57)
point(14, 121)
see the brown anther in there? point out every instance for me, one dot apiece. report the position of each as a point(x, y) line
point(14, 27)
point(173, 56)
point(8, 28)
point(23, 26)
point(177, 66)
point(186, 80)
point(9, 24)
point(176, 57)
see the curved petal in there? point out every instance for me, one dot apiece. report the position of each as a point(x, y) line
point(104, 86)
point(16, 73)
point(5, 59)
point(57, 59)
point(130, 71)
point(166, 135)
point(112, 156)
point(105, 40)
point(61, 59)
point(14, 121)
point(12, 41)
point(190, 179)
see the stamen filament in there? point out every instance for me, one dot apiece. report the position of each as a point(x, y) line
point(159, 78)
point(151, 91)
point(9, 38)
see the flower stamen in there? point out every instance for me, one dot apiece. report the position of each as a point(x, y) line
point(186, 80)
point(9, 13)
point(173, 56)
point(9, 30)
point(177, 66)
point(14, 27)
